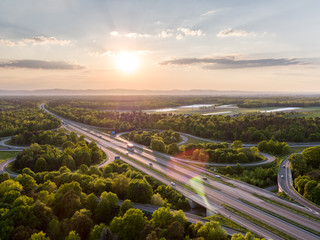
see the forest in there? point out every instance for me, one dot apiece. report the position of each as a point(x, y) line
point(85, 205)
point(143, 102)
point(306, 172)
point(253, 127)
point(18, 118)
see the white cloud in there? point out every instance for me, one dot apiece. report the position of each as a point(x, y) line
point(179, 36)
point(41, 40)
point(114, 33)
point(129, 35)
point(5, 42)
point(8, 43)
point(190, 32)
point(235, 33)
point(209, 13)
point(166, 33)
point(136, 35)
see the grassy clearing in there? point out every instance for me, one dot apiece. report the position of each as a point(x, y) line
point(288, 208)
point(259, 223)
point(5, 155)
point(281, 217)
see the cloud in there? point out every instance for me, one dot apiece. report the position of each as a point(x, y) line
point(210, 12)
point(114, 33)
point(234, 33)
point(190, 32)
point(232, 62)
point(8, 43)
point(130, 35)
point(39, 64)
point(41, 40)
point(166, 33)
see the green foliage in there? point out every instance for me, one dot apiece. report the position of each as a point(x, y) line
point(139, 190)
point(30, 118)
point(73, 236)
point(39, 236)
point(130, 225)
point(274, 147)
point(305, 168)
point(125, 206)
point(41, 158)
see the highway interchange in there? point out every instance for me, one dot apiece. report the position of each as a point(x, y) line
point(213, 191)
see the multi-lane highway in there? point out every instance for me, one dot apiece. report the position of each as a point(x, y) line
point(184, 175)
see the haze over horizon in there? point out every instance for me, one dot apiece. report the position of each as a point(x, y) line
point(159, 45)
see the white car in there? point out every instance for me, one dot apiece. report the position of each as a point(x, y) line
point(173, 185)
point(282, 176)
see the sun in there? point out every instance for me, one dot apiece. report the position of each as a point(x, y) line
point(127, 62)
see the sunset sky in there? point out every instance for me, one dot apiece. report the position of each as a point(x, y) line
point(144, 44)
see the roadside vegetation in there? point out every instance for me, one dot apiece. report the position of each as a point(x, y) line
point(306, 172)
point(165, 141)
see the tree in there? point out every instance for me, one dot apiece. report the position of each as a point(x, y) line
point(120, 185)
point(157, 200)
point(73, 236)
point(173, 149)
point(312, 156)
point(130, 225)
point(68, 199)
point(41, 165)
point(91, 202)
point(39, 236)
point(82, 223)
point(53, 229)
point(27, 182)
point(96, 231)
point(175, 231)
point(237, 144)
point(125, 206)
point(107, 207)
point(9, 185)
point(211, 231)
point(139, 190)
point(298, 164)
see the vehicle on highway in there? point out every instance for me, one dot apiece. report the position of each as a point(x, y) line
point(205, 178)
point(282, 176)
point(100, 136)
point(116, 157)
point(150, 164)
point(173, 185)
point(127, 153)
point(130, 147)
point(218, 176)
point(283, 166)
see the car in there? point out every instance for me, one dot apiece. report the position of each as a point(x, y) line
point(173, 184)
point(218, 176)
point(283, 166)
point(205, 178)
point(282, 176)
point(116, 157)
point(150, 164)
point(127, 153)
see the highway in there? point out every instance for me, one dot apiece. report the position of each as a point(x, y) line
point(212, 198)
point(286, 185)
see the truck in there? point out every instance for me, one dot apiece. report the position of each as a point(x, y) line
point(116, 157)
point(130, 147)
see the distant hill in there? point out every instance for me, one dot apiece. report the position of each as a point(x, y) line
point(199, 92)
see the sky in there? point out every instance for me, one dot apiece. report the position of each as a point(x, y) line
point(245, 45)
